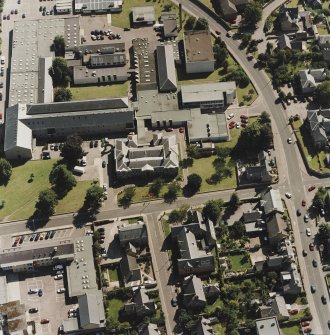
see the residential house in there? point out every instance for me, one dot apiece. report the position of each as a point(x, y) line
point(298, 45)
point(150, 329)
point(192, 258)
point(276, 228)
point(231, 8)
point(271, 202)
point(276, 262)
point(268, 326)
point(310, 79)
point(166, 68)
point(301, 36)
point(202, 229)
point(324, 44)
point(284, 42)
point(318, 125)
point(198, 51)
point(202, 327)
point(130, 270)
point(170, 28)
point(285, 248)
point(211, 291)
point(160, 158)
point(143, 16)
point(291, 281)
point(135, 234)
point(307, 21)
point(289, 18)
point(253, 222)
point(276, 308)
point(193, 293)
point(141, 305)
point(260, 172)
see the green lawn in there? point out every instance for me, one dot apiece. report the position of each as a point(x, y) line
point(98, 92)
point(328, 280)
point(166, 228)
point(134, 220)
point(20, 195)
point(218, 329)
point(241, 92)
point(292, 4)
point(238, 263)
point(322, 30)
point(113, 274)
point(74, 200)
point(123, 19)
point(214, 306)
point(293, 330)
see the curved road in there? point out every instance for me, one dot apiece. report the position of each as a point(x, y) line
point(289, 168)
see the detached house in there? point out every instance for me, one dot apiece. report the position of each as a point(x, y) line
point(324, 44)
point(289, 19)
point(318, 125)
point(276, 307)
point(291, 280)
point(202, 327)
point(141, 305)
point(231, 8)
point(309, 79)
point(261, 172)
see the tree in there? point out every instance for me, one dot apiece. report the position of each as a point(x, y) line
point(192, 151)
point(60, 72)
point(240, 77)
point(264, 118)
point(324, 231)
point(178, 215)
point(252, 13)
point(172, 192)
point(59, 46)
point(94, 197)
point(201, 24)
point(5, 171)
point(156, 186)
point(319, 198)
point(46, 203)
point(237, 230)
point(72, 149)
point(220, 54)
point(194, 182)
point(322, 93)
point(212, 210)
point(222, 152)
point(62, 179)
point(190, 23)
point(246, 38)
point(281, 95)
point(62, 94)
point(234, 201)
point(127, 198)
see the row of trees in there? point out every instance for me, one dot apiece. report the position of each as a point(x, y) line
point(196, 24)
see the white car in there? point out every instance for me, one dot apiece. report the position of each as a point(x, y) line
point(57, 277)
point(60, 290)
point(104, 187)
point(288, 195)
point(306, 218)
point(238, 126)
point(308, 232)
point(33, 290)
point(289, 140)
point(230, 116)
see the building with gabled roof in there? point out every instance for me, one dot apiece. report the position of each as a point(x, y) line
point(150, 329)
point(193, 293)
point(135, 234)
point(318, 125)
point(277, 308)
point(271, 202)
point(310, 79)
point(166, 68)
point(160, 158)
point(91, 310)
point(202, 327)
point(170, 28)
point(324, 44)
point(231, 8)
point(141, 304)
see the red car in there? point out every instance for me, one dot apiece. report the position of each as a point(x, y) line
point(243, 124)
point(243, 116)
point(232, 123)
point(307, 330)
point(305, 323)
point(181, 130)
point(311, 188)
point(43, 321)
point(217, 32)
point(311, 248)
point(294, 311)
point(169, 130)
point(303, 203)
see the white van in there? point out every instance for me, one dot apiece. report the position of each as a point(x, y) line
point(79, 169)
point(84, 161)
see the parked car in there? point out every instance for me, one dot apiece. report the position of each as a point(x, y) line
point(288, 195)
point(218, 32)
point(32, 290)
point(322, 212)
point(174, 302)
point(294, 311)
point(33, 310)
point(314, 262)
point(324, 299)
point(40, 293)
point(307, 330)
point(308, 232)
point(104, 164)
point(306, 218)
point(244, 117)
point(311, 246)
point(91, 144)
point(104, 188)
point(303, 203)
point(100, 229)
point(57, 277)
point(96, 144)
point(311, 188)
point(43, 321)
point(304, 252)
point(181, 130)
point(60, 290)
point(230, 116)
point(313, 288)
point(289, 140)
point(298, 211)
point(58, 267)
point(52, 233)
point(169, 130)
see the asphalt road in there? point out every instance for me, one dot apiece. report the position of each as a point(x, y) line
point(289, 166)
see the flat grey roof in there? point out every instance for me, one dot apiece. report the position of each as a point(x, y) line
point(143, 14)
point(95, 5)
point(197, 128)
point(206, 92)
point(198, 46)
point(268, 326)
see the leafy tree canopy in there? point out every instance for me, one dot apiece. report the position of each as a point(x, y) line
point(62, 179)
point(72, 149)
point(46, 203)
point(5, 171)
point(62, 94)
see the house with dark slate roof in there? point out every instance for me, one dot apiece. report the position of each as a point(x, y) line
point(289, 18)
point(150, 329)
point(276, 307)
point(318, 125)
point(193, 293)
point(202, 327)
point(141, 305)
point(166, 68)
point(231, 8)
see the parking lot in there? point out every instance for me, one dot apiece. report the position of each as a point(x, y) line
point(51, 305)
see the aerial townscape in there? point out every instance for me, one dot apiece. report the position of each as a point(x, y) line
point(165, 167)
